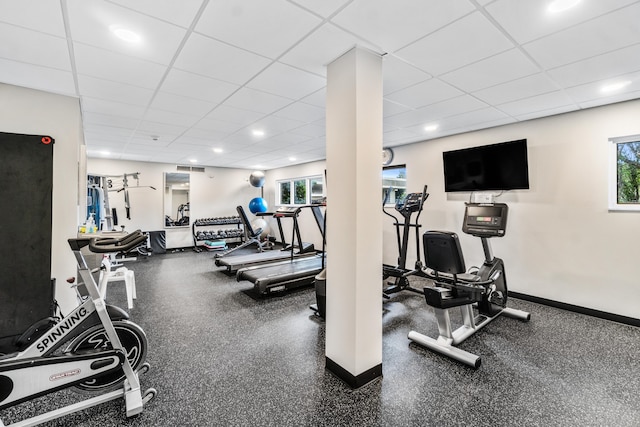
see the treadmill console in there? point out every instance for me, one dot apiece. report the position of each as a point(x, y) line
point(485, 219)
point(287, 211)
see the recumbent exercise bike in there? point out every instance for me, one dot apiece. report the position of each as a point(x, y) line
point(94, 349)
point(484, 288)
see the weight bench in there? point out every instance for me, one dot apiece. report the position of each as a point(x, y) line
point(252, 236)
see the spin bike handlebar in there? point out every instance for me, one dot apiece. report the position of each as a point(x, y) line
point(109, 245)
point(124, 244)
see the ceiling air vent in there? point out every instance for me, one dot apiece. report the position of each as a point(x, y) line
point(190, 168)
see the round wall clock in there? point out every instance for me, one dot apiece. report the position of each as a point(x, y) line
point(387, 156)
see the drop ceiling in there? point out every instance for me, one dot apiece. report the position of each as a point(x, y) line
point(241, 83)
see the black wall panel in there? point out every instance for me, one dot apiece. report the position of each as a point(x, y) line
point(26, 185)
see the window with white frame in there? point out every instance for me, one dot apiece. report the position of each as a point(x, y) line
point(300, 191)
point(394, 183)
point(624, 173)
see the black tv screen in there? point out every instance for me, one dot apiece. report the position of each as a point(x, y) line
point(501, 166)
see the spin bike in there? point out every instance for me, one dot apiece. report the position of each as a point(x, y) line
point(94, 349)
point(484, 288)
point(412, 204)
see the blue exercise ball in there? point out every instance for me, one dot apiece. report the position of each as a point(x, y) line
point(258, 204)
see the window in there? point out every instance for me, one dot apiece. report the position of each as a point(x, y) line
point(394, 178)
point(300, 191)
point(624, 173)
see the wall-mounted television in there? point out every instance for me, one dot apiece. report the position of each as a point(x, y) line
point(502, 166)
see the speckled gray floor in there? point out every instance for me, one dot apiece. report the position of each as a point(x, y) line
point(222, 358)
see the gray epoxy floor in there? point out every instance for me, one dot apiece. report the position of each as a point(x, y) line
point(222, 358)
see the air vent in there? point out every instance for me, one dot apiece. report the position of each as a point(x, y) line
point(190, 168)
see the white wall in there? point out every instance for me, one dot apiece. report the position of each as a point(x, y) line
point(308, 228)
point(215, 192)
point(562, 243)
point(33, 112)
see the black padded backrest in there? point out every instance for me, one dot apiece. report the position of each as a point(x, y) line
point(442, 252)
point(245, 220)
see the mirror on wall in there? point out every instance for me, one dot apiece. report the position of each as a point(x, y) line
point(176, 199)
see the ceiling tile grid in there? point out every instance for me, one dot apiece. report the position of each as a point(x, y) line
point(188, 77)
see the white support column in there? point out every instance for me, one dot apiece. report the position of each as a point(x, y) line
point(354, 220)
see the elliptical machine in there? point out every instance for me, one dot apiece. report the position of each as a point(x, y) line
point(412, 204)
point(484, 288)
point(94, 349)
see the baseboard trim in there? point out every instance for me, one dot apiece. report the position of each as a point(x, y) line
point(356, 381)
point(578, 309)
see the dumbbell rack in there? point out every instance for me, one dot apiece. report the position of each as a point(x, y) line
point(214, 231)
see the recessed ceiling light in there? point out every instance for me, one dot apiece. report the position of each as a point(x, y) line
point(557, 6)
point(292, 159)
point(218, 150)
point(258, 132)
point(125, 34)
point(430, 128)
point(614, 86)
point(193, 160)
point(258, 167)
point(105, 153)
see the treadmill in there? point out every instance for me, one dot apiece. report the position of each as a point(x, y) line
point(233, 263)
point(280, 276)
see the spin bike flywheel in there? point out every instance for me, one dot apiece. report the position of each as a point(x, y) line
point(133, 340)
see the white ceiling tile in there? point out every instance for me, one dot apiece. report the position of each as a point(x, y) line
point(595, 37)
point(525, 87)
point(273, 125)
point(434, 112)
point(96, 105)
point(209, 124)
point(17, 45)
point(255, 100)
point(234, 115)
point(322, 47)
point(311, 130)
point(610, 99)
point(425, 93)
point(116, 67)
point(107, 132)
point(208, 57)
point(390, 108)
point(473, 118)
point(257, 25)
point(317, 98)
point(593, 91)
point(91, 21)
point(503, 67)
point(163, 131)
point(397, 74)
point(204, 136)
point(302, 112)
point(286, 139)
point(48, 18)
point(538, 103)
point(393, 24)
point(287, 81)
point(399, 135)
point(323, 8)
point(114, 91)
point(180, 13)
point(605, 66)
point(196, 86)
point(170, 117)
point(109, 121)
point(546, 113)
point(530, 20)
point(37, 77)
point(181, 104)
point(465, 41)
point(148, 144)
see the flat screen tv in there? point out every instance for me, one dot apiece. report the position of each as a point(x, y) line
point(502, 166)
